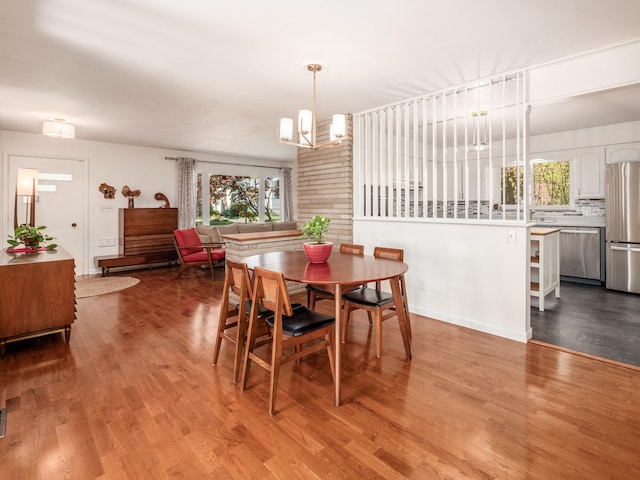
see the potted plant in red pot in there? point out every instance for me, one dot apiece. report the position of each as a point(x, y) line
point(317, 251)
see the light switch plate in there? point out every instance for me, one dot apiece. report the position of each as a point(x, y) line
point(107, 242)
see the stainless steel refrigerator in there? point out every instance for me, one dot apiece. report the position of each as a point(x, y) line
point(622, 203)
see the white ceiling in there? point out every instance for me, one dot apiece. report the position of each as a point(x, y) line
point(213, 76)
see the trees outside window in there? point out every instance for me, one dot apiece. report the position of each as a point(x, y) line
point(551, 184)
point(236, 198)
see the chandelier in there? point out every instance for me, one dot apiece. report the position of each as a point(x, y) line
point(479, 131)
point(307, 124)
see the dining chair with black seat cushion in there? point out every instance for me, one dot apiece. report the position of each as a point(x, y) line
point(192, 253)
point(379, 302)
point(296, 331)
point(326, 292)
point(234, 313)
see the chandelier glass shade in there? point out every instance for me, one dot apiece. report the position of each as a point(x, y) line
point(307, 125)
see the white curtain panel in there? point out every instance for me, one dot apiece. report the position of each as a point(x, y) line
point(287, 201)
point(186, 192)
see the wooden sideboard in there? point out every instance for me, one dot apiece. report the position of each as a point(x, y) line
point(148, 233)
point(37, 295)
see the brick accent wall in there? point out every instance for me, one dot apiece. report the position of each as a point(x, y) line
point(238, 250)
point(325, 180)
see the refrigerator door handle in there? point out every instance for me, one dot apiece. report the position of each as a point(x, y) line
point(626, 249)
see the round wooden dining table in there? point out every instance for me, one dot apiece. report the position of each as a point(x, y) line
point(341, 269)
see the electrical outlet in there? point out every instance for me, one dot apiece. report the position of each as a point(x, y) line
point(107, 242)
point(511, 236)
point(422, 285)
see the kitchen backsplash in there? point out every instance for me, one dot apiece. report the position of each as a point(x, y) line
point(591, 206)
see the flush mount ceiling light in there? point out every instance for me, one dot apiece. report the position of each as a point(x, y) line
point(307, 124)
point(58, 128)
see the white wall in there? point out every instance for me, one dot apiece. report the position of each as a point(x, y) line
point(599, 70)
point(605, 135)
point(142, 168)
point(471, 275)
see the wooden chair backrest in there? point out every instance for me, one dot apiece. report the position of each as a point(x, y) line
point(390, 253)
point(352, 249)
point(270, 291)
point(237, 279)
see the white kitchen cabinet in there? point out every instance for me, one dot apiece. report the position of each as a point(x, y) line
point(626, 152)
point(590, 173)
point(545, 263)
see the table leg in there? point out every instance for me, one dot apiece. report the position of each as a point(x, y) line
point(338, 343)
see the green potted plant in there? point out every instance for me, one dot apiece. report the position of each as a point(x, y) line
point(33, 238)
point(319, 250)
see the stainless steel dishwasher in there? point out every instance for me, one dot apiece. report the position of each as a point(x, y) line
point(580, 253)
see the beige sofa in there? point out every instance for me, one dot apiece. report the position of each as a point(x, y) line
point(211, 233)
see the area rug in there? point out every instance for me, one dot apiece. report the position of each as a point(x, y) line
point(91, 286)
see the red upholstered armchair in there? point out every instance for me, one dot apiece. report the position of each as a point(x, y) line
point(192, 253)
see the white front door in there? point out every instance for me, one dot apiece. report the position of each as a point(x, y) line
point(60, 201)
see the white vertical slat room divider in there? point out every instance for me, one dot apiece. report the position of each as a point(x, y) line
point(444, 155)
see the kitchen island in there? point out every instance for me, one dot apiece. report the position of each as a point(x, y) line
point(544, 263)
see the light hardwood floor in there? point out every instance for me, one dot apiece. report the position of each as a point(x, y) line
point(135, 396)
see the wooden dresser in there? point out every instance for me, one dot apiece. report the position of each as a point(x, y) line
point(37, 295)
point(147, 233)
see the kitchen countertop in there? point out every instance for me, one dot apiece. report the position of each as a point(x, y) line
point(544, 231)
point(569, 221)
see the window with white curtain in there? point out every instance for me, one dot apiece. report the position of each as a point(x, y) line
point(443, 155)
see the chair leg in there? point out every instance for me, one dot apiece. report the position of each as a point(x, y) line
point(216, 348)
point(402, 309)
point(276, 357)
point(329, 339)
point(345, 322)
point(407, 317)
point(248, 348)
point(213, 275)
point(222, 325)
point(240, 344)
point(378, 327)
point(182, 270)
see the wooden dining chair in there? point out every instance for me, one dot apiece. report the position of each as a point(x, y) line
point(296, 331)
point(327, 292)
point(234, 313)
point(380, 303)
